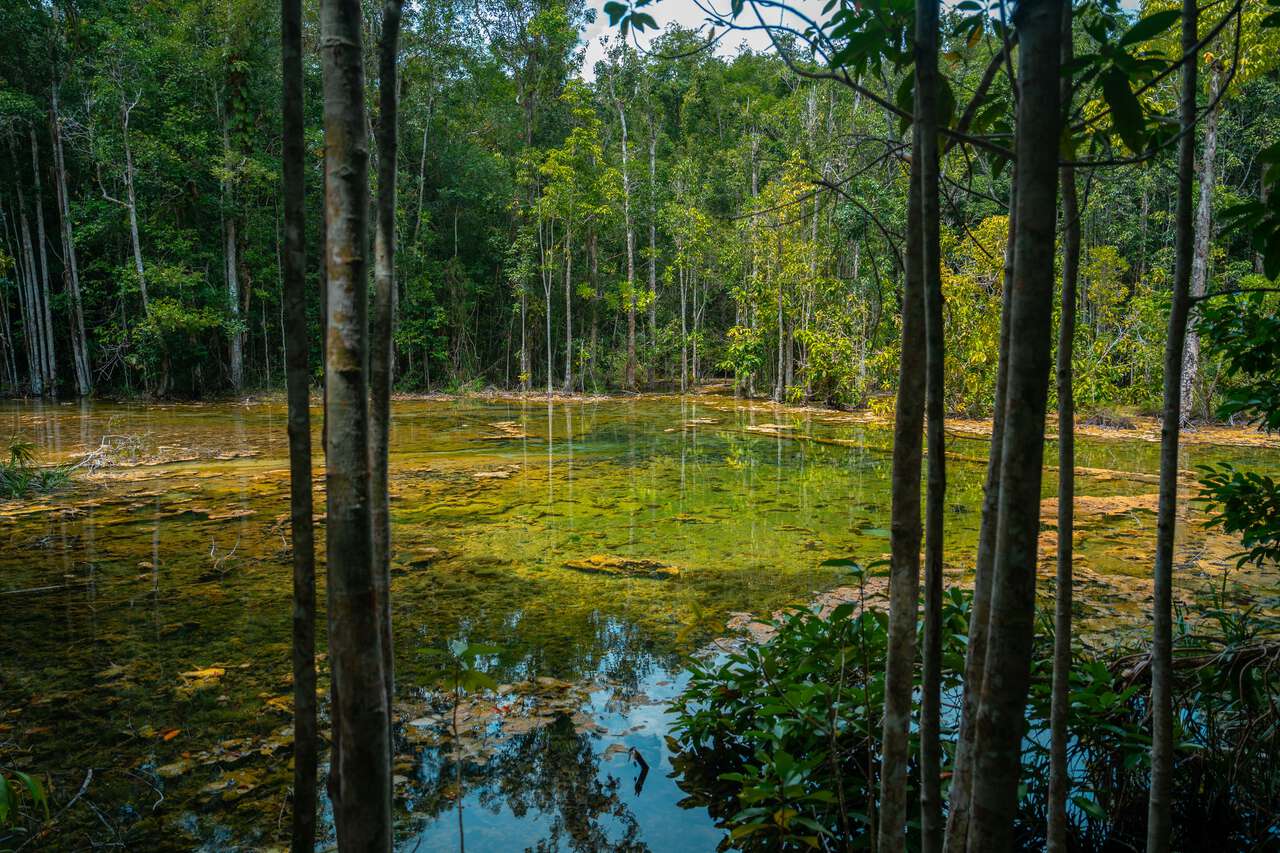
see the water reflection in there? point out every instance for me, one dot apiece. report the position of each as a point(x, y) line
point(176, 561)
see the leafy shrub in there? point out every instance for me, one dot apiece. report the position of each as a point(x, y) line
point(20, 476)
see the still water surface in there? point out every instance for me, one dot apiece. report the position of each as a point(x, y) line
point(146, 609)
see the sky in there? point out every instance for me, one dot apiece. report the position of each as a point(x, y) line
point(688, 14)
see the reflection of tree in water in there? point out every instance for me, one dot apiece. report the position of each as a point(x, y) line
point(551, 771)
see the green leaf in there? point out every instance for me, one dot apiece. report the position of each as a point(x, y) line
point(1126, 112)
point(1150, 27)
point(35, 789)
point(6, 801)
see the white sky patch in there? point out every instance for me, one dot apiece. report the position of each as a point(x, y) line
point(688, 14)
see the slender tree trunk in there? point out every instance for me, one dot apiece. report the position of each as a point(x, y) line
point(28, 287)
point(904, 543)
point(42, 252)
point(362, 807)
point(779, 381)
point(931, 823)
point(1203, 236)
point(70, 268)
point(235, 336)
point(653, 247)
point(132, 206)
point(1001, 720)
point(1159, 829)
point(1059, 706)
point(629, 380)
point(382, 337)
point(568, 310)
point(684, 335)
point(298, 379)
point(980, 610)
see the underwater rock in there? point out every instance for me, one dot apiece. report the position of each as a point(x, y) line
point(627, 567)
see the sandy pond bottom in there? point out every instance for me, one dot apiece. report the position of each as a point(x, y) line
point(596, 544)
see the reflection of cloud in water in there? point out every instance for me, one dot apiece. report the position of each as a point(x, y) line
point(561, 788)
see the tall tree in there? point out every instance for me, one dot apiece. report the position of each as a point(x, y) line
point(70, 265)
point(1059, 707)
point(926, 116)
point(905, 532)
point(1159, 828)
point(361, 790)
point(382, 331)
point(1000, 722)
point(297, 345)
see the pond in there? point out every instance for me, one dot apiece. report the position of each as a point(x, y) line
point(145, 656)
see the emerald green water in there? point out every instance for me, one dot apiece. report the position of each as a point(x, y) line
point(173, 560)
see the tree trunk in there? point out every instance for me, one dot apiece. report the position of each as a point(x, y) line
point(382, 336)
point(45, 318)
point(70, 269)
point(684, 335)
point(653, 248)
point(362, 806)
point(1203, 236)
point(28, 287)
point(234, 335)
point(629, 380)
point(904, 543)
point(931, 824)
point(1158, 807)
point(298, 380)
point(568, 311)
point(1059, 706)
point(1001, 720)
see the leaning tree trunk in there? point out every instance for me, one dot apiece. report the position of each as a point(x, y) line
point(298, 379)
point(1203, 235)
point(1158, 806)
point(362, 806)
point(904, 543)
point(1059, 706)
point(70, 268)
point(931, 824)
point(1000, 724)
point(132, 205)
point(961, 795)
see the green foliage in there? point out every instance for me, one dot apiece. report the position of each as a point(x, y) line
point(22, 801)
point(1247, 503)
point(780, 740)
point(21, 476)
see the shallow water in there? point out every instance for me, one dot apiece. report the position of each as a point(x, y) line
point(146, 609)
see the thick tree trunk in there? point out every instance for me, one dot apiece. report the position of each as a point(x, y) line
point(904, 578)
point(70, 268)
point(45, 318)
point(1059, 707)
point(1000, 723)
point(382, 334)
point(298, 380)
point(1203, 236)
point(362, 805)
point(931, 824)
point(1159, 828)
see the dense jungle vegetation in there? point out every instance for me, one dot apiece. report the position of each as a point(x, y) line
point(661, 218)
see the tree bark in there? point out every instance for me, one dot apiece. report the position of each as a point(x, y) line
point(1059, 706)
point(382, 334)
point(653, 246)
point(926, 48)
point(70, 268)
point(234, 336)
point(630, 376)
point(1203, 236)
point(28, 286)
point(1001, 719)
point(904, 578)
point(362, 807)
point(298, 380)
point(568, 310)
point(1159, 828)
